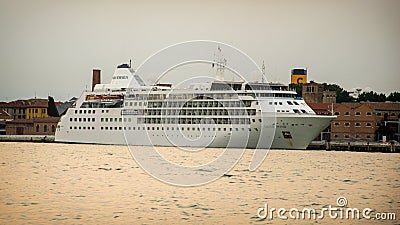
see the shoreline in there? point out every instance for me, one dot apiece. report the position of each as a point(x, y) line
point(320, 145)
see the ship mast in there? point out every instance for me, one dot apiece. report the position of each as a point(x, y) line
point(263, 73)
point(220, 62)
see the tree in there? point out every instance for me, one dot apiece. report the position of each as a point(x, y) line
point(298, 88)
point(371, 97)
point(341, 95)
point(394, 97)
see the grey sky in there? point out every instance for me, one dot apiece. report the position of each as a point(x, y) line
point(50, 47)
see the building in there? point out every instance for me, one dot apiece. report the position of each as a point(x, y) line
point(314, 93)
point(26, 109)
point(366, 121)
point(4, 118)
point(323, 109)
point(34, 126)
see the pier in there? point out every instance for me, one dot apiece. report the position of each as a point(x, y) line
point(355, 146)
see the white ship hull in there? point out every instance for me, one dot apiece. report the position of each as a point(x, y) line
point(302, 129)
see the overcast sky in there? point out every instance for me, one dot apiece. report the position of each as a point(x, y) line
point(51, 47)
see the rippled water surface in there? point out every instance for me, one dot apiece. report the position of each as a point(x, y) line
point(100, 184)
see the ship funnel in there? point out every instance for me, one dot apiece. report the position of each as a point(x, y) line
point(95, 78)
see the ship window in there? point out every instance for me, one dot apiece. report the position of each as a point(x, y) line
point(75, 128)
point(111, 119)
point(138, 128)
point(304, 111)
point(80, 111)
point(76, 111)
point(89, 111)
point(102, 111)
point(120, 119)
point(270, 103)
point(70, 119)
point(259, 120)
point(102, 119)
point(172, 128)
point(120, 128)
point(280, 103)
point(84, 119)
point(93, 119)
point(101, 128)
point(84, 128)
point(275, 103)
point(70, 128)
point(296, 111)
point(254, 120)
point(296, 103)
point(80, 119)
point(107, 111)
point(106, 128)
point(278, 110)
point(289, 102)
point(79, 128)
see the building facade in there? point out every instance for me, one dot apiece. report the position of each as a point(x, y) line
point(34, 126)
point(363, 121)
point(314, 93)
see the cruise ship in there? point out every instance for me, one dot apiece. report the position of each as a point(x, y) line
point(221, 114)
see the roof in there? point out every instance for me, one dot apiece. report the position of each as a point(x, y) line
point(4, 115)
point(29, 103)
point(380, 106)
point(320, 106)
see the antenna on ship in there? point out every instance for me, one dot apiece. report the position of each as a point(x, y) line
point(263, 72)
point(220, 63)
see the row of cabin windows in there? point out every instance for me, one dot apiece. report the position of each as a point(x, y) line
point(45, 128)
point(85, 111)
point(193, 121)
point(82, 119)
point(114, 119)
point(177, 128)
point(205, 112)
point(357, 124)
point(80, 128)
point(89, 111)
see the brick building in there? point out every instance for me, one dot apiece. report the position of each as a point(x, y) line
point(314, 93)
point(361, 121)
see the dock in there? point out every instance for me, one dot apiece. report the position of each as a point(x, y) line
point(355, 146)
